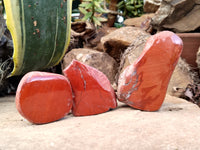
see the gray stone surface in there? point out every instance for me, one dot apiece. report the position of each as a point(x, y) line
point(151, 6)
point(177, 15)
point(138, 21)
point(188, 23)
point(175, 126)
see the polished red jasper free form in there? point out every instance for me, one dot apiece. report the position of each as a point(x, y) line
point(43, 97)
point(92, 90)
point(143, 85)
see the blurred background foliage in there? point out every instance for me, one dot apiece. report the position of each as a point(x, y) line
point(93, 11)
point(113, 12)
point(131, 8)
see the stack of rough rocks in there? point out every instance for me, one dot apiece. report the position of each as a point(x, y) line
point(178, 15)
point(112, 50)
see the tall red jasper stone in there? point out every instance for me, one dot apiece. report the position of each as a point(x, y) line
point(143, 85)
point(43, 97)
point(92, 90)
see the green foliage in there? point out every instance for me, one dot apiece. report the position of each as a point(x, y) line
point(131, 8)
point(92, 11)
point(118, 25)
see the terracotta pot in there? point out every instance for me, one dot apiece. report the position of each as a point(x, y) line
point(191, 44)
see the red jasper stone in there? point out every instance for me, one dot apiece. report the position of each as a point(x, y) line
point(43, 97)
point(92, 90)
point(143, 85)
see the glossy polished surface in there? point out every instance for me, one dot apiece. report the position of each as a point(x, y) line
point(43, 97)
point(143, 85)
point(92, 90)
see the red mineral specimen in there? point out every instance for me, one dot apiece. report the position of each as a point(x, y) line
point(43, 97)
point(92, 90)
point(143, 85)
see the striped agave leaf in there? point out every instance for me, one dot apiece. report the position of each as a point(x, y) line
point(40, 30)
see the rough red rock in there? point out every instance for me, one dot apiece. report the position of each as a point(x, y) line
point(92, 90)
point(43, 97)
point(143, 85)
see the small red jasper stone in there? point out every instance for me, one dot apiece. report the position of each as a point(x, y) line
point(43, 97)
point(92, 90)
point(143, 85)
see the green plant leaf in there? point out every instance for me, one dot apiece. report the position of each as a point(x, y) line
point(125, 12)
point(118, 25)
point(40, 32)
point(88, 6)
point(120, 7)
point(84, 4)
point(87, 0)
point(96, 21)
point(135, 13)
point(101, 10)
point(128, 3)
point(87, 16)
point(130, 8)
point(120, 4)
point(132, 1)
point(101, 19)
point(82, 10)
point(138, 6)
point(97, 4)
